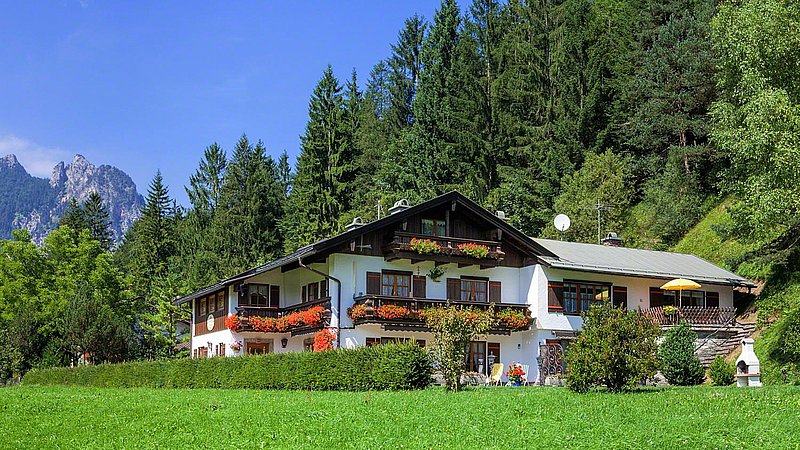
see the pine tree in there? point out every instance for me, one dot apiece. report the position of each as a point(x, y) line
point(74, 216)
point(405, 68)
point(285, 174)
point(98, 220)
point(154, 233)
point(206, 183)
point(316, 203)
point(250, 207)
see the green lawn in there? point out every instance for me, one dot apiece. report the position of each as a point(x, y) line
point(704, 417)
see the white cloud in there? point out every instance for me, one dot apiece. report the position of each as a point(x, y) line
point(38, 160)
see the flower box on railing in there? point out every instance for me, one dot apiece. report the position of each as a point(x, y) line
point(446, 246)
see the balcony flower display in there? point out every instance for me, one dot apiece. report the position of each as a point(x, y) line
point(311, 317)
point(395, 312)
point(515, 374)
point(515, 320)
point(425, 246)
point(357, 312)
point(232, 322)
point(236, 346)
point(474, 250)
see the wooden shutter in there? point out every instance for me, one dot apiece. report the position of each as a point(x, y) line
point(620, 296)
point(323, 288)
point(454, 289)
point(274, 296)
point(555, 296)
point(419, 286)
point(241, 289)
point(712, 299)
point(656, 297)
point(303, 295)
point(495, 292)
point(374, 283)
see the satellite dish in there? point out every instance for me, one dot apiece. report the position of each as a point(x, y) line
point(561, 222)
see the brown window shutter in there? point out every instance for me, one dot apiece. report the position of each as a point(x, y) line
point(656, 297)
point(495, 292)
point(303, 294)
point(712, 299)
point(373, 283)
point(620, 296)
point(454, 289)
point(274, 296)
point(419, 286)
point(242, 290)
point(555, 296)
point(323, 288)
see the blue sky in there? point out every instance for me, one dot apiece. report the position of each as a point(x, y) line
point(147, 85)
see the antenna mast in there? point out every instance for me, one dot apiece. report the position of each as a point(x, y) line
point(600, 207)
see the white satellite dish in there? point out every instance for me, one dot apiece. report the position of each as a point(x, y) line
point(562, 222)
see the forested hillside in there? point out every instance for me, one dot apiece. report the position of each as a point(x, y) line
point(656, 109)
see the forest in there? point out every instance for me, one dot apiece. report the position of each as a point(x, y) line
point(663, 111)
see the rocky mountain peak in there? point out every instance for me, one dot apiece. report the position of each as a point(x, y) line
point(9, 161)
point(59, 175)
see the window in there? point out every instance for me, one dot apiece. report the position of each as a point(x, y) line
point(202, 307)
point(312, 292)
point(579, 296)
point(473, 290)
point(308, 345)
point(433, 227)
point(396, 284)
point(263, 295)
point(221, 301)
point(621, 296)
point(259, 293)
point(371, 341)
point(659, 298)
point(476, 357)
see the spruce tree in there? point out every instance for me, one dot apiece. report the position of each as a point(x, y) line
point(325, 161)
point(154, 233)
point(98, 220)
point(74, 216)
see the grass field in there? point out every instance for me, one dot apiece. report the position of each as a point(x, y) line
point(704, 417)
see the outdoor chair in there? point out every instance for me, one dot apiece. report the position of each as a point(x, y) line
point(496, 375)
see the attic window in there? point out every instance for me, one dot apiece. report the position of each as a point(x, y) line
point(433, 227)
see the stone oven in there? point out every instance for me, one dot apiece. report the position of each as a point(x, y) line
point(748, 369)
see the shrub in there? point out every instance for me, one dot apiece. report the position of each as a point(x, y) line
point(678, 362)
point(615, 348)
point(391, 366)
point(721, 372)
point(453, 329)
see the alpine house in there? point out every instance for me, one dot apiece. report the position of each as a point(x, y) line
point(368, 285)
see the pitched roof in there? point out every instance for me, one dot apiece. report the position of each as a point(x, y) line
point(636, 262)
point(329, 243)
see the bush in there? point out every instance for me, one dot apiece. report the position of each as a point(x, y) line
point(453, 329)
point(391, 366)
point(679, 364)
point(615, 348)
point(721, 372)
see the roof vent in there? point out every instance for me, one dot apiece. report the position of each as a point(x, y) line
point(400, 205)
point(356, 223)
point(612, 240)
point(501, 215)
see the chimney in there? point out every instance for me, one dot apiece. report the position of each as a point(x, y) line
point(356, 223)
point(748, 368)
point(400, 205)
point(501, 215)
point(612, 240)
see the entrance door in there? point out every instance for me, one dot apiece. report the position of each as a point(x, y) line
point(257, 348)
point(476, 357)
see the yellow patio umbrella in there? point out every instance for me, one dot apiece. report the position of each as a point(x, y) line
point(679, 284)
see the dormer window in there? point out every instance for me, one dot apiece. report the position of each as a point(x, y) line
point(433, 227)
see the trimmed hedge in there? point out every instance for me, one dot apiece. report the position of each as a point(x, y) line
point(391, 366)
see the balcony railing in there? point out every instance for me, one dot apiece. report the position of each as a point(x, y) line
point(246, 312)
point(693, 315)
point(400, 247)
point(409, 317)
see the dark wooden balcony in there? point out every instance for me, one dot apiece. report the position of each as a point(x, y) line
point(245, 312)
point(696, 316)
point(400, 248)
point(411, 321)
